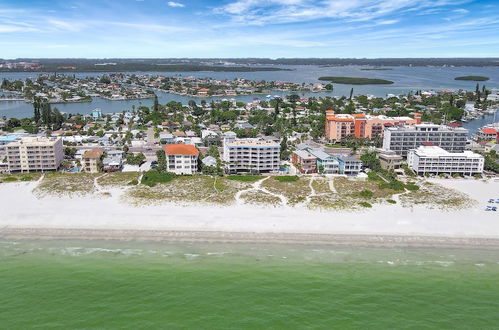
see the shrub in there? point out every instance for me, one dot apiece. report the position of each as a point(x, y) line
point(366, 193)
point(26, 178)
point(412, 186)
point(391, 201)
point(373, 176)
point(394, 185)
point(10, 179)
point(151, 178)
point(286, 178)
point(244, 178)
point(408, 171)
point(133, 182)
point(365, 204)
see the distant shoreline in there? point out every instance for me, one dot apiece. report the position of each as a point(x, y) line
point(354, 240)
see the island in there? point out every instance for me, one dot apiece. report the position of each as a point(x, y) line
point(472, 78)
point(356, 81)
point(376, 69)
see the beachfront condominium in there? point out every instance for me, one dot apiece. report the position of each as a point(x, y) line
point(181, 158)
point(402, 139)
point(340, 126)
point(250, 155)
point(435, 160)
point(31, 154)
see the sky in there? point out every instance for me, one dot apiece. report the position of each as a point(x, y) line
point(248, 28)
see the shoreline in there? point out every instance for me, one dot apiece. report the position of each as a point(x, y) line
point(345, 240)
point(25, 214)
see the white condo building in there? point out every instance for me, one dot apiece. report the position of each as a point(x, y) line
point(31, 154)
point(181, 158)
point(435, 160)
point(250, 155)
point(402, 139)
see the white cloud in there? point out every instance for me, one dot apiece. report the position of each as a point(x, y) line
point(175, 4)
point(461, 11)
point(256, 12)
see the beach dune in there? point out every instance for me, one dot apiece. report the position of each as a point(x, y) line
point(24, 214)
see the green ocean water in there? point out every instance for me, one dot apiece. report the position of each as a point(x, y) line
point(92, 284)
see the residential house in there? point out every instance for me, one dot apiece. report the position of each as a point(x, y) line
point(390, 160)
point(92, 160)
point(304, 161)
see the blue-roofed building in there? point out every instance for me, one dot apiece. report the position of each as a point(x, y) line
point(349, 165)
point(326, 163)
point(97, 113)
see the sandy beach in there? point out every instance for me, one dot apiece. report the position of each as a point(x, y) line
point(25, 215)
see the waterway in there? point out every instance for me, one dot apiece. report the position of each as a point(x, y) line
point(405, 79)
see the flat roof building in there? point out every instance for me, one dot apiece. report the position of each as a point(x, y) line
point(250, 155)
point(31, 154)
point(435, 160)
point(402, 139)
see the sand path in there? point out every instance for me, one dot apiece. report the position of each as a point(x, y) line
point(257, 187)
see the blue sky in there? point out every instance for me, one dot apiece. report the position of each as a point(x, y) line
point(249, 28)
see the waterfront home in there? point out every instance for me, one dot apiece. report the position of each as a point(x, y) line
point(487, 134)
point(112, 164)
point(209, 161)
point(349, 165)
point(435, 160)
point(92, 160)
point(304, 161)
point(389, 160)
point(181, 158)
point(326, 163)
point(96, 114)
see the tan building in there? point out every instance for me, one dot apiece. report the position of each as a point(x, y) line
point(32, 154)
point(92, 160)
point(390, 160)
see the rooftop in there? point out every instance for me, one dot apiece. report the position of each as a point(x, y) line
point(434, 151)
point(93, 153)
point(254, 142)
point(181, 149)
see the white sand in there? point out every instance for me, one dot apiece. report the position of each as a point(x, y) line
point(21, 209)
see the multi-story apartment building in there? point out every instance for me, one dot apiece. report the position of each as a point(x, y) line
point(181, 158)
point(250, 155)
point(339, 126)
point(92, 160)
point(435, 160)
point(30, 154)
point(402, 139)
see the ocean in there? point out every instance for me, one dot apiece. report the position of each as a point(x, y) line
point(148, 285)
